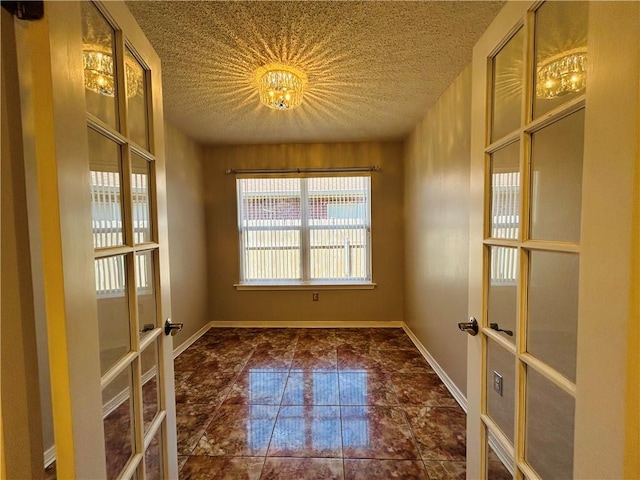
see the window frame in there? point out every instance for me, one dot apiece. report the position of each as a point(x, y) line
point(305, 282)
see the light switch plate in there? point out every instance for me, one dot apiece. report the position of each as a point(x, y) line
point(497, 382)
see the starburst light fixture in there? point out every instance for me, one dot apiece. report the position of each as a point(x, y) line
point(99, 73)
point(280, 86)
point(562, 74)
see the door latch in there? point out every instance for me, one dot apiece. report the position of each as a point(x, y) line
point(494, 326)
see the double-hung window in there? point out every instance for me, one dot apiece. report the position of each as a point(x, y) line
point(304, 230)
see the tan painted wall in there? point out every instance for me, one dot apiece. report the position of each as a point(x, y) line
point(436, 228)
point(20, 397)
point(187, 233)
point(384, 303)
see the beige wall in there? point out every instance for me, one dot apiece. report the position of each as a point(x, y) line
point(384, 303)
point(20, 397)
point(187, 235)
point(436, 228)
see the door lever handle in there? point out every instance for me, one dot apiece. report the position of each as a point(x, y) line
point(172, 328)
point(471, 327)
point(494, 326)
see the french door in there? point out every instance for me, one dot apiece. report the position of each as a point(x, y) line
point(93, 86)
point(539, 249)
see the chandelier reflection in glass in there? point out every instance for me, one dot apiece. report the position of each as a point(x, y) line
point(562, 74)
point(99, 73)
point(280, 86)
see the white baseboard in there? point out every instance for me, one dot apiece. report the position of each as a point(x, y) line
point(501, 453)
point(115, 402)
point(504, 456)
point(191, 340)
point(305, 324)
point(455, 391)
point(49, 456)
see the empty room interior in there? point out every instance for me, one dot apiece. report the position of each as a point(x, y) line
point(317, 239)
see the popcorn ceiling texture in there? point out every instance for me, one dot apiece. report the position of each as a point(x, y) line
point(374, 68)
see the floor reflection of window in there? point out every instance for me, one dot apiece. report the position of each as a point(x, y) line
point(295, 388)
point(307, 426)
point(354, 391)
point(259, 426)
point(263, 384)
point(324, 384)
point(291, 421)
point(324, 427)
point(300, 425)
point(355, 427)
point(353, 387)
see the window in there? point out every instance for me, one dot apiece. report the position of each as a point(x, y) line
point(297, 231)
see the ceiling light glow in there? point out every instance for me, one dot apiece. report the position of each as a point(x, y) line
point(280, 86)
point(562, 74)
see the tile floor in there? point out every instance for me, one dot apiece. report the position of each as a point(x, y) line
point(314, 404)
point(310, 404)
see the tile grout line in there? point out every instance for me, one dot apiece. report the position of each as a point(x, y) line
point(217, 409)
point(387, 377)
point(275, 422)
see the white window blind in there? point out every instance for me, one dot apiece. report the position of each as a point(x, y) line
point(505, 223)
point(106, 208)
point(304, 230)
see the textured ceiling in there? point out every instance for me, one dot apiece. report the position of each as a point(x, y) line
point(374, 68)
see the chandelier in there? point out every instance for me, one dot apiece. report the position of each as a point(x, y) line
point(562, 74)
point(98, 73)
point(280, 86)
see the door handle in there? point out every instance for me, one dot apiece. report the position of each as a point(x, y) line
point(494, 326)
point(471, 327)
point(172, 328)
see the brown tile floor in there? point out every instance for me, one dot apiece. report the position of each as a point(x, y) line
point(314, 403)
point(309, 404)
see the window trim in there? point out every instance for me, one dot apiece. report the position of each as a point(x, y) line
point(306, 283)
point(305, 286)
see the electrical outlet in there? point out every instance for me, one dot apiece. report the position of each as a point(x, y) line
point(316, 296)
point(497, 382)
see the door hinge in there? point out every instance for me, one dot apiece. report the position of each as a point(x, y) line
point(25, 10)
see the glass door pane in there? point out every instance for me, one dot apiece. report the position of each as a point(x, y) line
point(105, 164)
point(113, 309)
point(505, 192)
point(496, 470)
point(150, 403)
point(146, 292)
point(501, 387)
point(153, 458)
point(556, 180)
point(549, 428)
point(141, 197)
point(98, 54)
point(119, 422)
point(502, 295)
point(507, 87)
point(561, 54)
point(136, 85)
point(552, 324)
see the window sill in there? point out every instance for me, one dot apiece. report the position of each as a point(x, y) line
point(306, 286)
